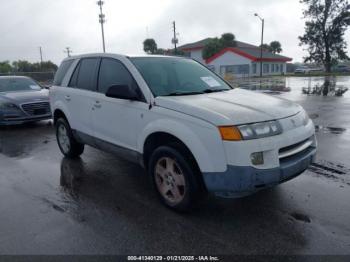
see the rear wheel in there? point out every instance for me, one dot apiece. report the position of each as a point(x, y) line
point(68, 145)
point(174, 178)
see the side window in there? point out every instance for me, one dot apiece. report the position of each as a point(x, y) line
point(113, 72)
point(74, 79)
point(61, 72)
point(86, 74)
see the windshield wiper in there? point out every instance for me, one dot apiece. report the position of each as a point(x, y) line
point(206, 91)
point(214, 90)
point(185, 93)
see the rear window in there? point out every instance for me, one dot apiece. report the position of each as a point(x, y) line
point(61, 72)
point(87, 75)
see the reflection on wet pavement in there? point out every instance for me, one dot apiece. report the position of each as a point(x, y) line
point(319, 86)
point(99, 204)
point(332, 130)
point(10, 143)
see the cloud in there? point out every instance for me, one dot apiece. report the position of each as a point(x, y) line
point(26, 25)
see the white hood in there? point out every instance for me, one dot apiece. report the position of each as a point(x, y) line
point(234, 107)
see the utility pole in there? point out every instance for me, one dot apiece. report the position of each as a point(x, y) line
point(68, 51)
point(262, 42)
point(102, 20)
point(175, 40)
point(41, 54)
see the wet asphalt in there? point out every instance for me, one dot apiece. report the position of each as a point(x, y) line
point(102, 205)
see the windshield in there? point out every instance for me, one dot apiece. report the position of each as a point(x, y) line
point(167, 76)
point(18, 84)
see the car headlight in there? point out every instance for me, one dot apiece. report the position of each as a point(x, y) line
point(251, 131)
point(306, 119)
point(260, 130)
point(8, 106)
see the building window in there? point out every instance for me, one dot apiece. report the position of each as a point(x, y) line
point(266, 68)
point(254, 69)
point(236, 69)
point(273, 68)
point(281, 67)
point(277, 68)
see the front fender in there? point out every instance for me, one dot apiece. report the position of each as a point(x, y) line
point(58, 105)
point(205, 143)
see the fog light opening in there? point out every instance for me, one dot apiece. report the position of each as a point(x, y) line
point(257, 158)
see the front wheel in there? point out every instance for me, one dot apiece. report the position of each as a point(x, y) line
point(68, 145)
point(174, 177)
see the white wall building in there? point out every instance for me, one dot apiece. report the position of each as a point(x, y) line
point(243, 60)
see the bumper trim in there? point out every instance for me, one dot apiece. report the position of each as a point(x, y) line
point(23, 120)
point(239, 181)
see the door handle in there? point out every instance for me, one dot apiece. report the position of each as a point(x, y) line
point(67, 98)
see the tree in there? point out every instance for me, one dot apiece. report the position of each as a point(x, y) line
point(212, 47)
point(5, 67)
point(48, 66)
point(215, 45)
point(327, 21)
point(150, 46)
point(265, 46)
point(22, 66)
point(228, 40)
point(160, 51)
point(25, 66)
point(275, 47)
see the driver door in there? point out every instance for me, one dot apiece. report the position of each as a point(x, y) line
point(116, 121)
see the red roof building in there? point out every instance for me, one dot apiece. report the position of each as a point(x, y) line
point(242, 60)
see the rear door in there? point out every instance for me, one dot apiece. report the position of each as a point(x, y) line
point(80, 98)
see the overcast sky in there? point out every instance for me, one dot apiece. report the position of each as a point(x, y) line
point(54, 24)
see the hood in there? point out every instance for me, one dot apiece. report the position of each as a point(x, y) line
point(234, 107)
point(25, 96)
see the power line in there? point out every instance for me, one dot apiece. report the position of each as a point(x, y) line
point(68, 51)
point(102, 20)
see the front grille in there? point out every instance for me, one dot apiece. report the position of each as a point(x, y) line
point(295, 148)
point(37, 109)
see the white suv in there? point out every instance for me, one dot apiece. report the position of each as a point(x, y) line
point(192, 131)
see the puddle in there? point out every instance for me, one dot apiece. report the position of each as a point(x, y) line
point(297, 85)
point(321, 91)
point(331, 130)
point(273, 86)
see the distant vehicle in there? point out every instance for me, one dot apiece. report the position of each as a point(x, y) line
point(342, 69)
point(22, 100)
point(192, 131)
point(307, 70)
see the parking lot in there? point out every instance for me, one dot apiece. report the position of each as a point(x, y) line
point(102, 205)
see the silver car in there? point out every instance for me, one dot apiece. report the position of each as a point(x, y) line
point(22, 100)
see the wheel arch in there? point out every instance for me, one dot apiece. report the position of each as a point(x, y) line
point(58, 114)
point(162, 131)
point(60, 111)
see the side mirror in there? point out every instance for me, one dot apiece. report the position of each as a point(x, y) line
point(122, 92)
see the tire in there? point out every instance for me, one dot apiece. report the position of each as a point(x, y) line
point(68, 145)
point(174, 177)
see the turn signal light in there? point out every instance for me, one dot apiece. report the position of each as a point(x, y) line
point(230, 133)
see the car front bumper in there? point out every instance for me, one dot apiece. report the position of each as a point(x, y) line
point(6, 120)
point(240, 181)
